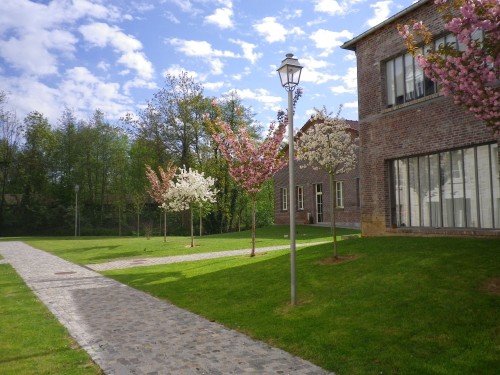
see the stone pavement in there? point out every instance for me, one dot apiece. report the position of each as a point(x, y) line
point(137, 262)
point(127, 331)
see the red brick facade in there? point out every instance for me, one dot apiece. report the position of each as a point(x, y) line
point(308, 179)
point(423, 126)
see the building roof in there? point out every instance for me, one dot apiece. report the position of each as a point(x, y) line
point(353, 127)
point(351, 44)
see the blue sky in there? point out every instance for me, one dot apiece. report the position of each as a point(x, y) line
point(114, 54)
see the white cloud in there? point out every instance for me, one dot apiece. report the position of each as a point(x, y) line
point(198, 48)
point(351, 104)
point(81, 90)
point(271, 30)
point(260, 95)
point(297, 13)
point(350, 83)
point(216, 66)
point(381, 13)
point(336, 8)
point(328, 40)
point(314, 71)
point(213, 86)
point(331, 7)
point(172, 18)
point(177, 70)
point(221, 18)
point(248, 50)
point(102, 35)
point(34, 54)
point(184, 5)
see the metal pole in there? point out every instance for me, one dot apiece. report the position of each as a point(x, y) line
point(291, 169)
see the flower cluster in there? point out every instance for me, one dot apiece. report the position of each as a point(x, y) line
point(328, 145)
point(190, 187)
point(251, 163)
point(159, 186)
point(471, 73)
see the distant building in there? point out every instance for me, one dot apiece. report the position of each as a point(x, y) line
point(313, 198)
point(427, 166)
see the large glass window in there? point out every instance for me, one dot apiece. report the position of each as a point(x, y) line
point(452, 189)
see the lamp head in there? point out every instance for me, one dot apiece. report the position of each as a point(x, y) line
point(289, 72)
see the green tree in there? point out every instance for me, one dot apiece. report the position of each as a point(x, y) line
point(10, 135)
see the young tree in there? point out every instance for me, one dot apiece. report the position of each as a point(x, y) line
point(190, 189)
point(470, 73)
point(250, 163)
point(328, 145)
point(10, 138)
point(159, 188)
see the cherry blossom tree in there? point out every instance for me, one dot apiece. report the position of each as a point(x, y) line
point(470, 73)
point(328, 145)
point(189, 190)
point(251, 163)
point(159, 188)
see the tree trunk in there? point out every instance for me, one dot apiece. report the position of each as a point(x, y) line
point(201, 221)
point(138, 222)
point(192, 226)
point(333, 205)
point(164, 225)
point(254, 206)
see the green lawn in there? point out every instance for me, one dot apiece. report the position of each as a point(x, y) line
point(31, 340)
point(88, 250)
point(404, 306)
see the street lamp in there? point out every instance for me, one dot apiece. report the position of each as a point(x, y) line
point(76, 210)
point(289, 73)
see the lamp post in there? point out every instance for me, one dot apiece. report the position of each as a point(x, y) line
point(76, 210)
point(289, 73)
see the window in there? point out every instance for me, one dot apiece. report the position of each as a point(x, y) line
point(451, 189)
point(319, 202)
point(406, 80)
point(339, 194)
point(300, 197)
point(284, 199)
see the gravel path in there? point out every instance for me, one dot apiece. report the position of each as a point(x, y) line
point(137, 262)
point(127, 331)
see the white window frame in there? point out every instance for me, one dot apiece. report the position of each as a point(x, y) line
point(284, 199)
point(339, 194)
point(300, 197)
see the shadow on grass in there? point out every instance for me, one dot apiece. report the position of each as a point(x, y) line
point(423, 292)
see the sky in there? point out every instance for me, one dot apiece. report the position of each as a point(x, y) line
point(113, 55)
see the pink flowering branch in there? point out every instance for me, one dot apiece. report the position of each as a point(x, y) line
point(160, 186)
point(251, 163)
point(469, 74)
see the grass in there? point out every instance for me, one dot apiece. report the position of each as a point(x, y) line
point(403, 306)
point(31, 340)
point(89, 250)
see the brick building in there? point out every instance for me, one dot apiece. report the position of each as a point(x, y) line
point(313, 198)
point(427, 166)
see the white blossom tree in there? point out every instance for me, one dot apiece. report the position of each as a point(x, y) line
point(329, 145)
point(190, 189)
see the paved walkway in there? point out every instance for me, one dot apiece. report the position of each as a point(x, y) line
point(137, 262)
point(127, 331)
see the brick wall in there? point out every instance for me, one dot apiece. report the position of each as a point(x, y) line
point(427, 125)
point(308, 178)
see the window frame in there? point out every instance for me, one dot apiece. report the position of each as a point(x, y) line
point(452, 189)
point(284, 199)
point(339, 194)
point(300, 197)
